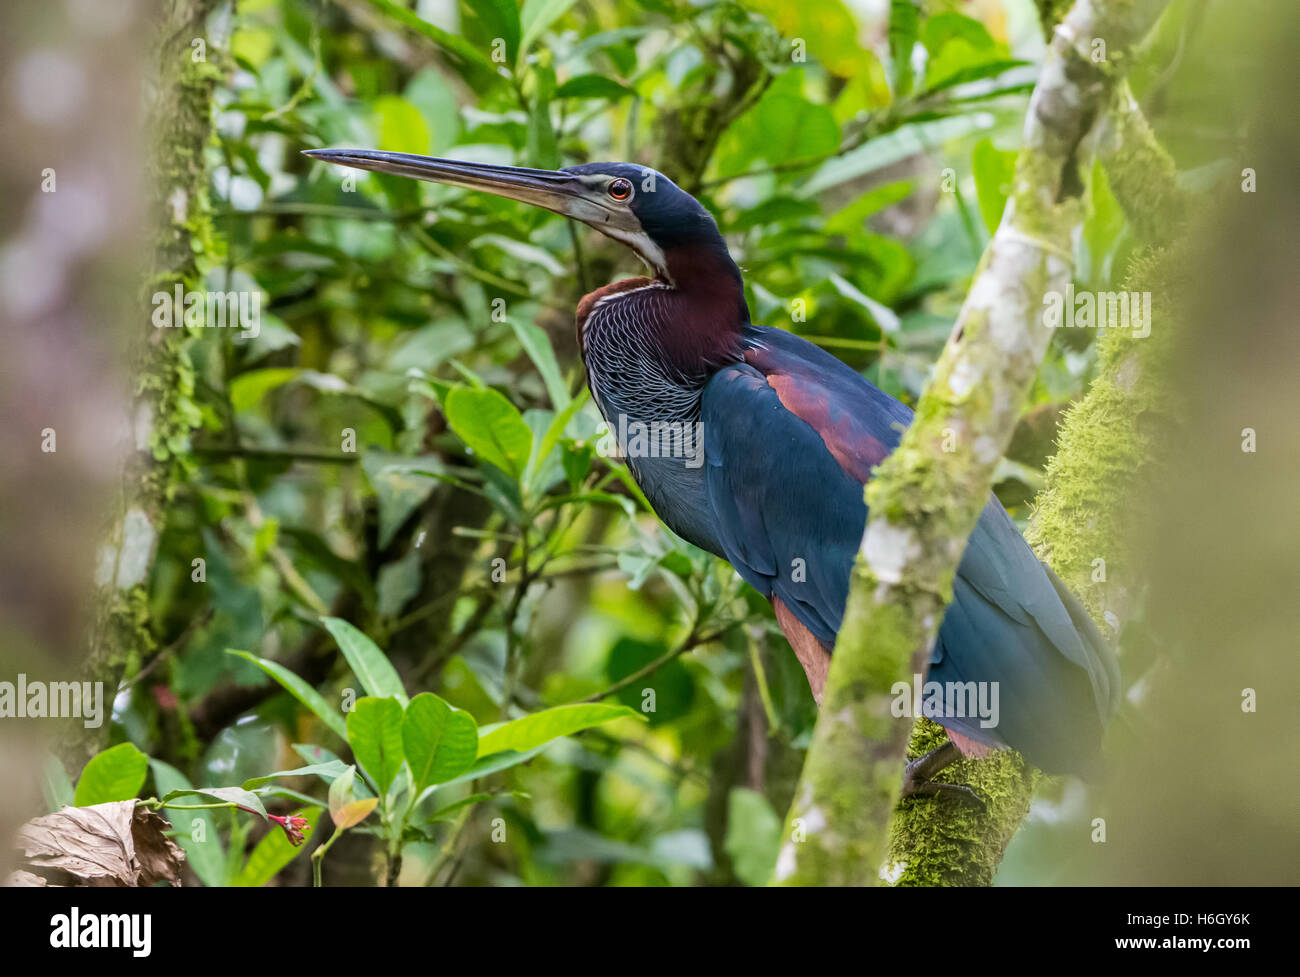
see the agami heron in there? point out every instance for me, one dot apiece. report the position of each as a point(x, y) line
point(791, 435)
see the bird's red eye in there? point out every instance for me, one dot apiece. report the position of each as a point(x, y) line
point(620, 189)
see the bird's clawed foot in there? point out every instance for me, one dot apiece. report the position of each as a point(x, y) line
point(918, 777)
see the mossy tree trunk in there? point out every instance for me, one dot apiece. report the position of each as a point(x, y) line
point(1107, 440)
point(164, 411)
point(925, 500)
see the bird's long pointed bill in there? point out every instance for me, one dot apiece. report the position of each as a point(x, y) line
point(542, 188)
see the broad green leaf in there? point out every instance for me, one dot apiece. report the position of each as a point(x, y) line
point(826, 28)
point(248, 389)
point(673, 686)
point(592, 86)
point(375, 734)
point(440, 742)
point(222, 795)
point(783, 128)
point(208, 856)
point(492, 427)
point(401, 126)
point(300, 690)
point(538, 347)
point(500, 18)
point(370, 665)
point(329, 770)
point(274, 852)
point(116, 774)
point(528, 732)
point(401, 484)
point(753, 835)
point(434, 96)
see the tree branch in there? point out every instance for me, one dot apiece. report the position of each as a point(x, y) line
point(924, 501)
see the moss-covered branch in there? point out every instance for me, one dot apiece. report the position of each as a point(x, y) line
point(925, 500)
point(1140, 170)
point(164, 410)
point(1105, 440)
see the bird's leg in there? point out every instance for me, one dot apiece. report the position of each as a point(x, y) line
point(918, 774)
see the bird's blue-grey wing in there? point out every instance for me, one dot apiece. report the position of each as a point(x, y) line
point(790, 436)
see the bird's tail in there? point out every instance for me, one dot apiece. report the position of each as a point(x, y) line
point(1104, 669)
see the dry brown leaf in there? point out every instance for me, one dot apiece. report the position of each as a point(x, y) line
point(19, 878)
point(114, 844)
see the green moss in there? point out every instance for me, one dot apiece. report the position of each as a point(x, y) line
point(1107, 441)
point(948, 841)
point(184, 240)
point(1142, 174)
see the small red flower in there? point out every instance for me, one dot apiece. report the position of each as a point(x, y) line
point(294, 827)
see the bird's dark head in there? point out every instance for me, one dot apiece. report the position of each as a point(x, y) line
point(668, 228)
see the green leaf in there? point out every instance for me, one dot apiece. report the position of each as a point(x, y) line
point(457, 46)
point(904, 22)
point(401, 126)
point(370, 665)
point(674, 689)
point(753, 835)
point(975, 72)
point(528, 732)
point(500, 18)
point(273, 853)
point(592, 86)
point(248, 389)
point(1101, 227)
point(440, 742)
point(538, 347)
point(537, 16)
point(222, 795)
point(542, 144)
point(495, 763)
point(444, 813)
point(492, 427)
point(56, 785)
point(398, 583)
point(537, 464)
point(994, 170)
point(401, 485)
point(116, 774)
point(375, 734)
point(911, 140)
point(329, 770)
point(300, 690)
point(206, 857)
point(783, 128)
